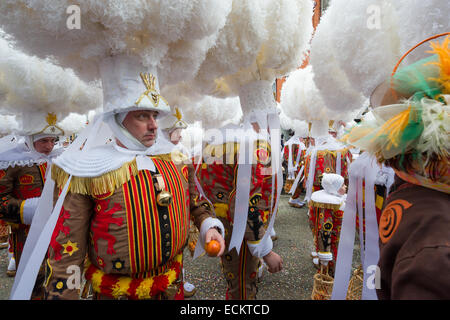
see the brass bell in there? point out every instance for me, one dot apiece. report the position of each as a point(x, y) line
point(164, 198)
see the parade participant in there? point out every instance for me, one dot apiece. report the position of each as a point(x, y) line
point(40, 94)
point(172, 126)
point(217, 176)
point(294, 154)
point(8, 124)
point(409, 132)
point(22, 179)
point(133, 195)
point(327, 207)
point(171, 37)
point(326, 156)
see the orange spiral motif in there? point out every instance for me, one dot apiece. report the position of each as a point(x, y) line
point(390, 219)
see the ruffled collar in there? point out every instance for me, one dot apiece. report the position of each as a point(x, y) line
point(22, 156)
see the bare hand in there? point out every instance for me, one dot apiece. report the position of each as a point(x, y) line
point(274, 262)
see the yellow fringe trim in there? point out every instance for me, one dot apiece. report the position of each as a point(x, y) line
point(107, 182)
point(322, 205)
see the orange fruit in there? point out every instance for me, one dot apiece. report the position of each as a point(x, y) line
point(212, 248)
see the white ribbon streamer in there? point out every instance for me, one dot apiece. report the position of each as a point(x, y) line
point(346, 243)
point(277, 175)
point(35, 249)
point(372, 251)
point(338, 163)
point(311, 174)
point(297, 180)
point(365, 168)
point(242, 189)
point(361, 219)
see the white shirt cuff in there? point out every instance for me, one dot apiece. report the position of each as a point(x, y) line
point(29, 208)
point(259, 249)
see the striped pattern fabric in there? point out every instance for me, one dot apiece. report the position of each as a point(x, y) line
point(42, 169)
point(155, 234)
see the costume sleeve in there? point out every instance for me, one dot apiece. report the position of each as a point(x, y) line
point(423, 276)
point(201, 215)
point(68, 247)
point(10, 207)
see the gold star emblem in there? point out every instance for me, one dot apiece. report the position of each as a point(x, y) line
point(70, 247)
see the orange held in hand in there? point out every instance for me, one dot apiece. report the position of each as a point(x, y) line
point(212, 248)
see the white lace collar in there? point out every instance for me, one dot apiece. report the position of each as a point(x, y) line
point(22, 156)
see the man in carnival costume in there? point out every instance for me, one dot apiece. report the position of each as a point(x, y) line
point(39, 93)
point(409, 133)
point(294, 155)
point(22, 178)
point(129, 202)
point(218, 178)
point(171, 127)
point(327, 155)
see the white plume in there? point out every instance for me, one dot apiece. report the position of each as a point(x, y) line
point(171, 34)
point(332, 82)
point(300, 98)
point(31, 84)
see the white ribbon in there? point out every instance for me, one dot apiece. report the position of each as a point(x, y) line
point(359, 189)
point(277, 175)
point(338, 163)
point(297, 180)
point(363, 168)
point(372, 251)
point(242, 189)
point(300, 173)
point(346, 243)
point(36, 245)
point(311, 174)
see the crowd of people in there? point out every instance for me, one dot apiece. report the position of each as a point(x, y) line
point(123, 195)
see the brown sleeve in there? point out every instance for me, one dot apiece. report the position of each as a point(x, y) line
point(9, 205)
point(423, 276)
point(68, 246)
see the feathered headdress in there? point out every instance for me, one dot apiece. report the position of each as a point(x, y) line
point(41, 93)
point(411, 126)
